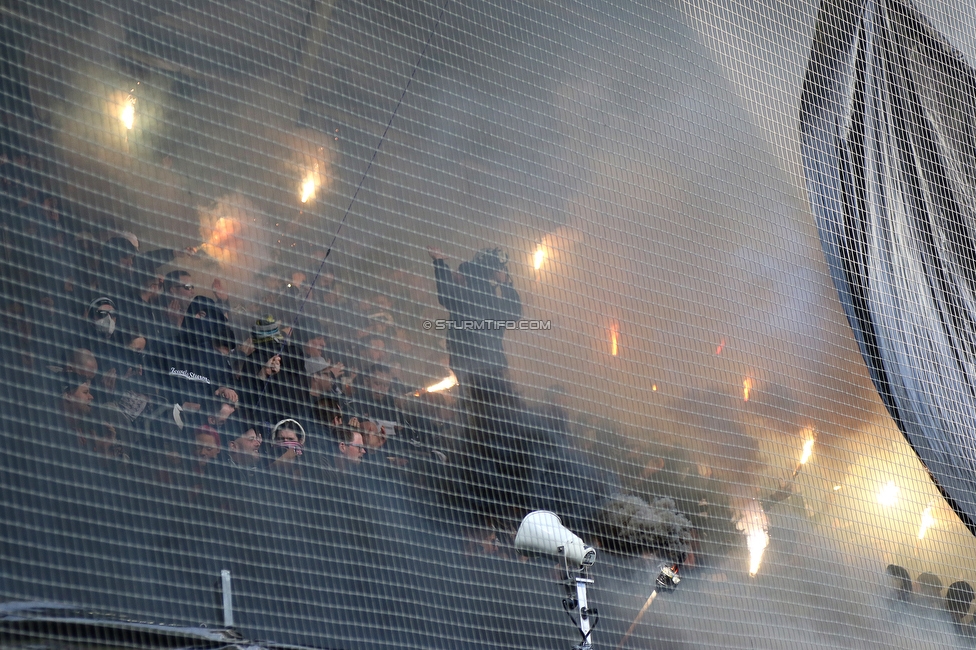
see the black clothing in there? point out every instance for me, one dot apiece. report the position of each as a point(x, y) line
point(366, 407)
point(144, 318)
point(189, 369)
point(284, 395)
point(473, 299)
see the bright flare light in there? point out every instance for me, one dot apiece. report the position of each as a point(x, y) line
point(444, 384)
point(928, 520)
point(308, 186)
point(538, 257)
point(754, 524)
point(807, 451)
point(223, 239)
point(746, 388)
point(888, 496)
point(614, 336)
point(757, 542)
point(127, 115)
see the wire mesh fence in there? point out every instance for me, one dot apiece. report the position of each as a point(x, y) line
point(307, 304)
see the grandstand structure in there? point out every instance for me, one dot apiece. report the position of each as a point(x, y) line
point(307, 304)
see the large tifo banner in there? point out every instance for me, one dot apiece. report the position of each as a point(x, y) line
point(468, 324)
point(888, 144)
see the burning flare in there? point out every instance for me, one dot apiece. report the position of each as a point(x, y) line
point(807, 451)
point(888, 496)
point(746, 388)
point(444, 384)
point(614, 338)
point(223, 239)
point(754, 524)
point(127, 113)
point(230, 234)
point(538, 257)
point(928, 521)
point(757, 542)
point(309, 185)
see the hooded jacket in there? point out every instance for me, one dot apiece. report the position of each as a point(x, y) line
point(188, 368)
point(473, 298)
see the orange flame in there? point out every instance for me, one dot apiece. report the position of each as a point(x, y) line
point(754, 524)
point(746, 388)
point(757, 541)
point(614, 336)
point(310, 184)
point(888, 495)
point(721, 346)
point(928, 520)
point(127, 113)
point(538, 257)
point(447, 383)
point(807, 451)
point(223, 239)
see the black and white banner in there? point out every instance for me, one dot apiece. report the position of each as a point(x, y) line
point(890, 158)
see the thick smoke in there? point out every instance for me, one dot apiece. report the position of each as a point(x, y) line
point(652, 152)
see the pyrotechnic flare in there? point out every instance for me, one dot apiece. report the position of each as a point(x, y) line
point(665, 582)
point(757, 542)
point(309, 184)
point(928, 521)
point(538, 258)
point(888, 496)
point(447, 383)
point(614, 336)
point(128, 113)
point(805, 456)
point(746, 388)
point(754, 524)
point(668, 579)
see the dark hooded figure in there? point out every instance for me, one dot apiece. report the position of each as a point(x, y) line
point(503, 451)
point(275, 383)
point(194, 368)
point(477, 298)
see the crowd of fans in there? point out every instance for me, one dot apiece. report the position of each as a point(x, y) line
point(200, 397)
point(146, 374)
point(119, 349)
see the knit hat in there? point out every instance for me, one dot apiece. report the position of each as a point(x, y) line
point(265, 330)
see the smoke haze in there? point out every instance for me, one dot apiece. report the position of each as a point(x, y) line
point(652, 152)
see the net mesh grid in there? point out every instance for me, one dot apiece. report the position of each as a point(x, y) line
point(639, 168)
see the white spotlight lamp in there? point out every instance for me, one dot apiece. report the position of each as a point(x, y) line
point(542, 532)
